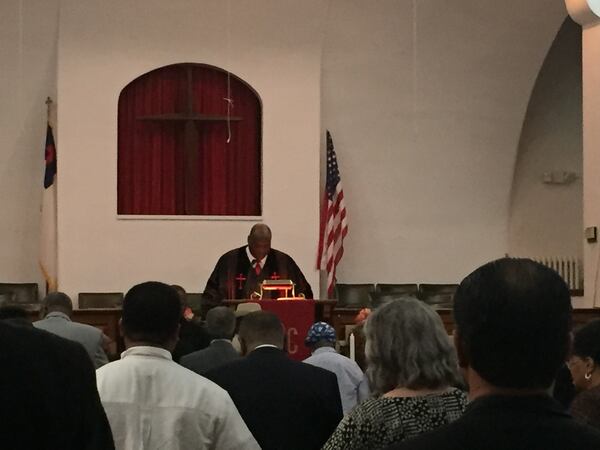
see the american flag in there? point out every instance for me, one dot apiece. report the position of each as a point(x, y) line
point(334, 226)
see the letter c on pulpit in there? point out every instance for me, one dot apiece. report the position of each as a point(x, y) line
point(292, 348)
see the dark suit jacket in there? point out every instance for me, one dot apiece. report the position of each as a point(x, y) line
point(219, 352)
point(222, 283)
point(192, 337)
point(509, 423)
point(286, 404)
point(48, 393)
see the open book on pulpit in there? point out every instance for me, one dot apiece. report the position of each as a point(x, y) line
point(285, 289)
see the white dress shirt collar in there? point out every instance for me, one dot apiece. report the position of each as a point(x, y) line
point(266, 345)
point(324, 350)
point(58, 314)
point(252, 258)
point(147, 350)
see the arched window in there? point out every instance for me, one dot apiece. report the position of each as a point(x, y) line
point(189, 143)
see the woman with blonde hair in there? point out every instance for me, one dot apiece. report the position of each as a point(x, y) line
point(411, 367)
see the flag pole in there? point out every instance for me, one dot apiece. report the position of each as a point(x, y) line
point(48, 229)
point(48, 106)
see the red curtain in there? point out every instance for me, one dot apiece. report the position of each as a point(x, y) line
point(151, 150)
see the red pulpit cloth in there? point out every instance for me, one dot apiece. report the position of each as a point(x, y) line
point(297, 316)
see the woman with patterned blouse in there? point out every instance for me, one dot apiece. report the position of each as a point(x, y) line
point(411, 367)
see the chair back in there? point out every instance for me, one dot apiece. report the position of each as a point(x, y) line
point(100, 300)
point(20, 293)
point(6, 298)
point(380, 299)
point(438, 295)
point(402, 289)
point(354, 295)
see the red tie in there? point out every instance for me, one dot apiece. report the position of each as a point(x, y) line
point(256, 266)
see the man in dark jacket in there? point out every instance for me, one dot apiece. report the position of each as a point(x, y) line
point(513, 319)
point(286, 404)
point(220, 325)
point(48, 392)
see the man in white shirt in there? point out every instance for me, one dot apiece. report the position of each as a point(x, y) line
point(352, 383)
point(151, 401)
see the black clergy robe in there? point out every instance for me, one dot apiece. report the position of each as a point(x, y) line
point(235, 278)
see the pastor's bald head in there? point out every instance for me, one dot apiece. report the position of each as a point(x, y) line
point(260, 232)
point(261, 327)
point(259, 240)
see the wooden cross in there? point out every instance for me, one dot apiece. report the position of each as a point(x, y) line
point(191, 140)
point(240, 279)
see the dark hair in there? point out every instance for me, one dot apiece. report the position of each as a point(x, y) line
point(262, 327)
point(587, 341)
point(220, 322)
point(9, 312)
point(513, 317)
point(182, 296)
point(151, 312)
point(58, 301)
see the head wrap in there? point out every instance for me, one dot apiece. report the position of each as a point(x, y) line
point(320, 331)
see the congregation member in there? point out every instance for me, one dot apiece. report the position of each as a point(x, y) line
point(352, 383)
point(58, 308)
point(220, 325)
point(287, 404)
point(241, 311)
point(192, 332)
point(564, 391)
point(513, 321)
point(151, 401)
point(411, 367)
point(584, 365)
point(239, 272)
point(48, 392)
point(15, 315)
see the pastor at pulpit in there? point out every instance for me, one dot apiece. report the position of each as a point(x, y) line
point(240, 271)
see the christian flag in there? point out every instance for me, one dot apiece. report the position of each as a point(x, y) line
point(48, 237)
point(334, 226)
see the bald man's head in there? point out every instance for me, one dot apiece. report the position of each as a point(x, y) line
point(259, 240)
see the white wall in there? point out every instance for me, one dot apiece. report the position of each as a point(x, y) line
point(547, 220)
point(28, 35)
point(591, 156)
point(427, 144)
point(275, 47)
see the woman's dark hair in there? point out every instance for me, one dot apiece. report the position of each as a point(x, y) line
point(587, 341)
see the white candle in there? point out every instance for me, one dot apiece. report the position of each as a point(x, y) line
point(352, 348)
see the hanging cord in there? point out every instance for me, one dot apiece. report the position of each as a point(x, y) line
point(20, 32)
point(415, 80)
point(228, 99)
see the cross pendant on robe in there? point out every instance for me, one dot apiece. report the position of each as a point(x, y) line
point(275, 276)
point(240, 279)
